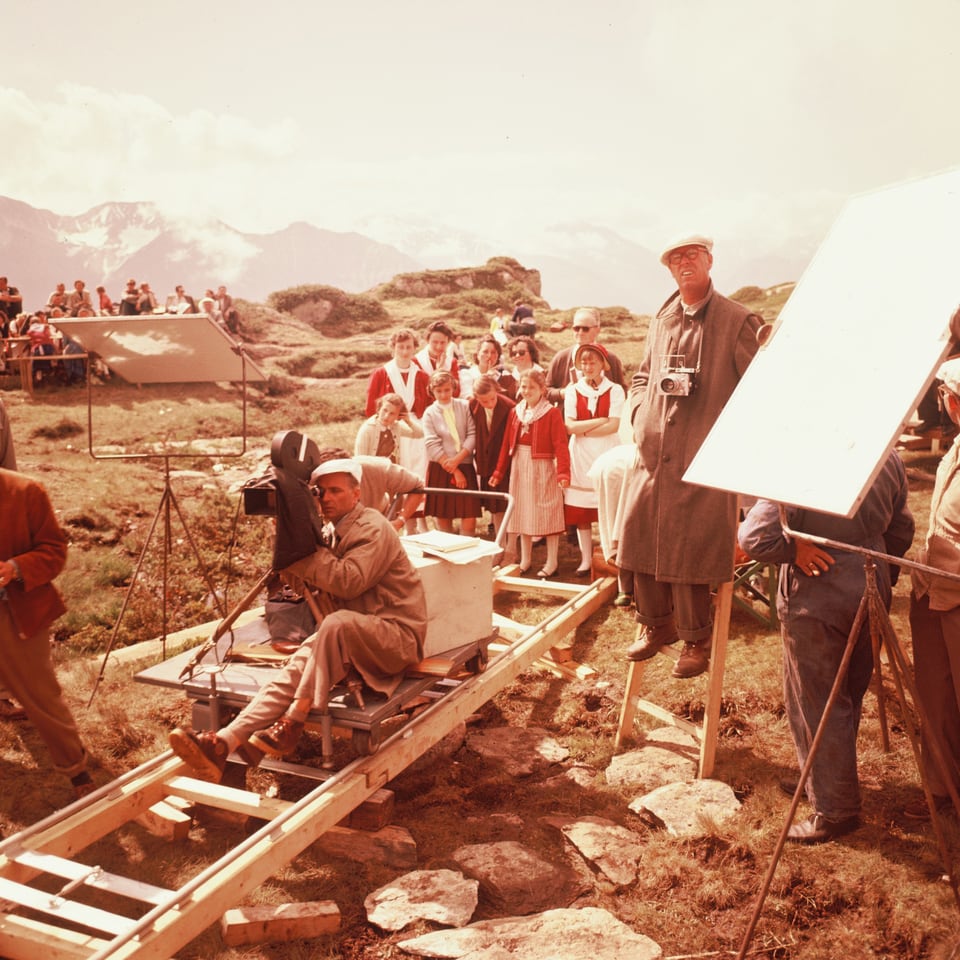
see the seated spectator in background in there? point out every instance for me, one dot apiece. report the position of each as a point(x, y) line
point(77, 298)
point(487, 363)
point(522, 322)
point(208, 306)
point(562, 371)
point(180, 302)
point(436, 356)
point(592, 407)
point(490, 410)
point(498, 326)
point(535, 447)
point(58, 298)
point(105, 304)
point(11, 303)
point(525, 356)
point(380, 435)
point(130, 301)
point(147, 300)
point(227, 310)
point(383, 483)
point(41, 345)
point(450, 437)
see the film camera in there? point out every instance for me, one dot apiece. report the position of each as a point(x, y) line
point(291, 452)
point(674, 379)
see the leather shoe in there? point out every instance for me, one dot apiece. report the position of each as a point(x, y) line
point(279, 739)
point(693, 660)
point(623, 600)
point(203, 751)
point(817, 828)
point(649, 642)
point(789, 787)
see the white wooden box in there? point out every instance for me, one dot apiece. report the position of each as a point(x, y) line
point(459, 600)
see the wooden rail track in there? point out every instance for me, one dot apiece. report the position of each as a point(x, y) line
point(34, 923)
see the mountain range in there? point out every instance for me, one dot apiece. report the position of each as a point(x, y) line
point(579, 263)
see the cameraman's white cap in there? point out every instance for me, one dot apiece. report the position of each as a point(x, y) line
point(337, 466)
point(949, 373)
point(693, 241)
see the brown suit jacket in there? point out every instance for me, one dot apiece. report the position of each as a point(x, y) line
point(30, 535)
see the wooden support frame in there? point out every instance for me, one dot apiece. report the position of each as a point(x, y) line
point(705, 733)
point(174, 917)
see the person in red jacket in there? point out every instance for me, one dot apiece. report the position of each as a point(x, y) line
point(536, 448)
point(33, 549)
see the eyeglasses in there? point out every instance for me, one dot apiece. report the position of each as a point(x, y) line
point(581, 329)
point(519, 353)
point(678, 256)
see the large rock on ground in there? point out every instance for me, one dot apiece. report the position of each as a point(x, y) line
point(519, 752)
point(587, 934)
point(690, 809)
point(667, 755)
point(443, 896)
point(515, 881)
point(613, 849)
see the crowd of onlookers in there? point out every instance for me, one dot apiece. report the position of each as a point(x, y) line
point(497, 421)
point(36, 333)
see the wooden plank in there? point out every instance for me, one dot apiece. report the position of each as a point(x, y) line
point(289, 921)
point(227, 798)
point(99, 880)
point(166, 821)
point(24, 938)
point(63, 908)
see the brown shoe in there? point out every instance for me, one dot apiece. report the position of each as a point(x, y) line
point(279, 739)
point(693, 660)
point(817, 828)
point(204, 751)
point(649, 642)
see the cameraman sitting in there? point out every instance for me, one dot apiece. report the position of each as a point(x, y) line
point(377, 629)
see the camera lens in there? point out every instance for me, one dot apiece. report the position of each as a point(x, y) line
point(668, 385)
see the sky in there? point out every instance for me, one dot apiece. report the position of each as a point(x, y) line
point(748, 120)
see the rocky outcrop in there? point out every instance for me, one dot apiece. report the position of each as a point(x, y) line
point(499, 273)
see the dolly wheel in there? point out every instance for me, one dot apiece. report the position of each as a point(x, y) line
point(478, 663)
point(366, 742)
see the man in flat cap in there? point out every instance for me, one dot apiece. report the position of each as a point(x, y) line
point(678, 538)
point(376, 631)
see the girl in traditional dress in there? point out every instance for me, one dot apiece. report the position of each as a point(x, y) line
point(591, 406)
point(380, 436)
point(491, 411)
point(404, 378)
point(450, 437)
point(536, 449)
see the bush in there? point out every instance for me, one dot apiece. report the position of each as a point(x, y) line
point(339, 313)
point(748, 294)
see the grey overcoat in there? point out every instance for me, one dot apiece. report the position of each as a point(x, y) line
point(673, 530)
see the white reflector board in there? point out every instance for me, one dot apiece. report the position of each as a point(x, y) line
point(852, 353)
point(162, 348)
